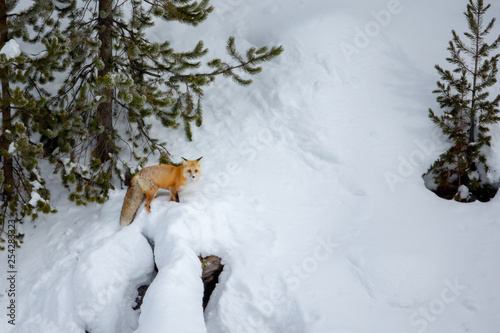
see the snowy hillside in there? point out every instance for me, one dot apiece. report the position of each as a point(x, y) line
point(311, 192)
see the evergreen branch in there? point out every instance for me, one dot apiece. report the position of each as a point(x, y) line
point(222, 68)
point(141, 127)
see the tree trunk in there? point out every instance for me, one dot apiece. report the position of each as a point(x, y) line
point(8, 164)
point(478, 42)
point(105, 142)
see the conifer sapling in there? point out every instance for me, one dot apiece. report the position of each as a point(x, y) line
point(467, 109)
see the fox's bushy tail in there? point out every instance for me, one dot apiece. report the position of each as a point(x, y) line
point(131, 204)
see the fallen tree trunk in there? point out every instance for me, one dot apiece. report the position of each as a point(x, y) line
point(211, 269)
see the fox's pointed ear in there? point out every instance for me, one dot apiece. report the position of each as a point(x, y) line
point(199, 160)
point(184, 161)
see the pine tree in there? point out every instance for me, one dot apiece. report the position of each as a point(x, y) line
point(23, 191)
point(119, 82)
point(463, 96)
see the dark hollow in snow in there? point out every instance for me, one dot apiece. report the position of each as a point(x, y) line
point(141, 291)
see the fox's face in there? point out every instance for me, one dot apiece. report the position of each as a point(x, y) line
point(192, 169)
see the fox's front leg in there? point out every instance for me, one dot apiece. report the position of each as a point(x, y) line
point(174, 194)
point(150, 195)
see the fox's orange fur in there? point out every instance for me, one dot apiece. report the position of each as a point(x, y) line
point(147, 182)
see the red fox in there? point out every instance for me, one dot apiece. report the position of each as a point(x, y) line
point(147, 182)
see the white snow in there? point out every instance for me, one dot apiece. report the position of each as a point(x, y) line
point(12, 148)
point(11, 49)
point(35, 197)
point(311, 192)
point(463, 192)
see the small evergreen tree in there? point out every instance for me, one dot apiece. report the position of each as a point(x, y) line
point(463, 95)
point(23, 192)
point(119, 82)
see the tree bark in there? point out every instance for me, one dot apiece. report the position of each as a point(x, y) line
point(8, 163)
point(105, 146)
point(211, 269)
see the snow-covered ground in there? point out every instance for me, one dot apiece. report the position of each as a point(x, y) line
point(311, 192)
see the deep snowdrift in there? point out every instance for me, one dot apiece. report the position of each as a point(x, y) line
point(311, 192)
